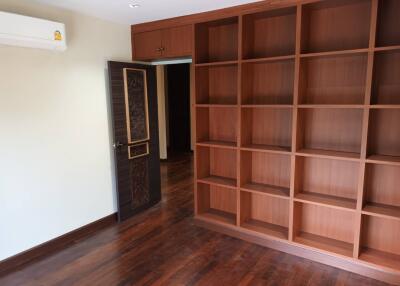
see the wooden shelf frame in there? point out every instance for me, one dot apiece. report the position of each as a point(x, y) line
point(365, 104)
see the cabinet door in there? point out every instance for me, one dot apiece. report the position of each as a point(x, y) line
point(177, 41)
point(147, 45)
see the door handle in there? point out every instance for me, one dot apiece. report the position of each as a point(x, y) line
point(117, 145)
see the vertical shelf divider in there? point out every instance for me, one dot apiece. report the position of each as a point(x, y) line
point(364, 138)
point(239, 126)
point(294, 121)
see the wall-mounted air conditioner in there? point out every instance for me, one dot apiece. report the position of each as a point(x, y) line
point(23, 31)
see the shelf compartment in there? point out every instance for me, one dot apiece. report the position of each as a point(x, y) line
point(216, 166)
point(218, 125)
point(335, 25)
point(388, 30)
point(384, 134)
point(381, 190)
point(339, 79)
point(325, 244)
point(217, 40)
point(324, 228)
point(380, 258)
point(265, 215)
point(330, 129)
point(266, 173)
point(216, 203)
point(216, 84)
point(269, 34)
point(269, 82)
point(267, 128)
point(327, 182)
point(386, 78)
point(380, 241)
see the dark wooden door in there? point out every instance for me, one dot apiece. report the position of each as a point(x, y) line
point(134, 107)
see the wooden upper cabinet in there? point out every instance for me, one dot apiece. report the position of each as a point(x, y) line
point(165, 43)
point(177, 41)
point(147, 45)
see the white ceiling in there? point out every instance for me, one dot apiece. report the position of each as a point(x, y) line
point(149, 10)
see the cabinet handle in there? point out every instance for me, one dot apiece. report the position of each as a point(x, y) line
point(158, 49)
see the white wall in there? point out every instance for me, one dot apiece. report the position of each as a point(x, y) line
point(56, 169)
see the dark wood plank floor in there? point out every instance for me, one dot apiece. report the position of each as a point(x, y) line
point(163, 246)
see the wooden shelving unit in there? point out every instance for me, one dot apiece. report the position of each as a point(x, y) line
point(217, 41)
point(216, 203)
point(278, 28)
point(264, 214)
point(338, 79)
point(381, 191)
point(266, 129)
point(386, 80)
point(335, 26)
point(327, 182)
point(265, 173)
point(217, 126)
point(380, 241)
point(268, 82)
point(324, 228)
point(336, 130)
point(384, 134)
point(297, 127)
point(219, 84)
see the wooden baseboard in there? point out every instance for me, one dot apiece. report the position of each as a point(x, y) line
point(348, 264)
point(56, 244)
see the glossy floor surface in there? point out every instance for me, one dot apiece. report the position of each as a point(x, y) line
point(163, 246)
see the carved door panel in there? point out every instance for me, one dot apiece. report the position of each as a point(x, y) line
point(134, 111)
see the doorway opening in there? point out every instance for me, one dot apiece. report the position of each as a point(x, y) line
point(175, 99)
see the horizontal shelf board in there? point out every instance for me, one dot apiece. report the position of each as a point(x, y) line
point(382, 210)
point(329, 154)
point(385, 106)
point(221, 63)
point(269, 59)
point(219, 216)
point(334, 53)
point(384, 159)
point(326, 200)
point(218, 144)
point(215, 105)
point(267, 106)
point(325, 243)
point(218, 181)
point(337, 106)
point(266, 148)
point(388, 48)
point(265, 189)
point(266, 228)
point(378, 257)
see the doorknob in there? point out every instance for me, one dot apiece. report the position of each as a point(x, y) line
point(117, 145)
